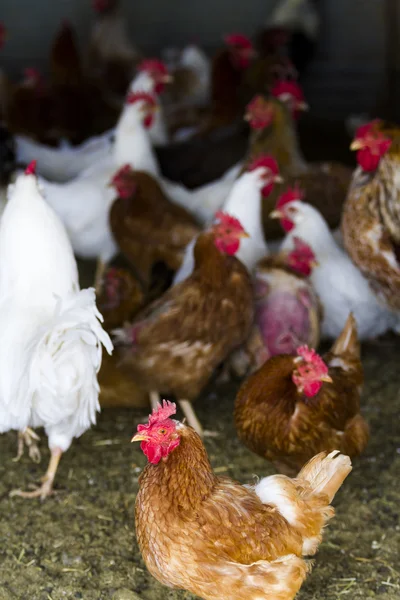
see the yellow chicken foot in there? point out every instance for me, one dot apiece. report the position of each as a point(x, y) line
point(29, 438)
point(193, 421)
point(47, 486)
point(98, 278)
point(154, 400)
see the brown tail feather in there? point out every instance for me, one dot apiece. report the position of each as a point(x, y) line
point(348, 342)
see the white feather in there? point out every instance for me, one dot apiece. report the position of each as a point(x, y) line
point(83, 204)
point(50, 348)
point(244, 203)
point(158, 134)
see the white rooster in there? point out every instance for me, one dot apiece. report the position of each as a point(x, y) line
point(340, 285)
point(50, 347)
point(83, 204)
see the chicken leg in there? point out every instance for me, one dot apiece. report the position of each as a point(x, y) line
point(29, 438)
point(98, 278)
point(193, 421)
point(47, 481)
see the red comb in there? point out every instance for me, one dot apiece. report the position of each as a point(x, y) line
point(290, 88)
point(238, 39)
point(367, 128)
point(226, 219)
point(161, 413)
point(265, 160)
point(153, 65)
point(32, 73)
point(301, 247)
point(291, 194)
point(133, 97)
point(260, 112)
point(122, 172)
point(31, 168)
point(310, 356)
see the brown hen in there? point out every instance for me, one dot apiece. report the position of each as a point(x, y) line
point(371, 214)
point(147, 226)
point(176, 343)
point(216, 538)
point(294, 407)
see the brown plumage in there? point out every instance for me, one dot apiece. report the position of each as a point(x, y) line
point(175, 344)
point(147, 226)
point(325, 184)
point(111, 57)
point(222, 541)
point(280, 423)
point(118, 388)
point(121, 296)
point(371, 224)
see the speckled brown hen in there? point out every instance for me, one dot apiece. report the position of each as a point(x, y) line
point(272, 122)
point(294, 407)
point(176, 343)
point(216, 538)
point(147, 226)
point(371, 215)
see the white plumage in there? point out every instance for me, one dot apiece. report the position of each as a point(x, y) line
point(83, 204)
point(158, 133)
point(244, 203)
point(50, 348)
point(340, 286)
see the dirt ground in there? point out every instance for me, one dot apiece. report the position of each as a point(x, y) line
point(80, 543)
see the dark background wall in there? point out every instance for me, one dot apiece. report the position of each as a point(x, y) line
point(345, 77)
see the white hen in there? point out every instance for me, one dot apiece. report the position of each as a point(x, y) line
point(83, 204)
point(339, 284)
point(245, 203)
point(50, 348)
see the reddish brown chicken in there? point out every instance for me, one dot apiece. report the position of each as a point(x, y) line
point(148, 228)
point(294, 407)
point(30, 107)
point(227, 72)
point(176, 343)
point(371, 215)
point(216, 538)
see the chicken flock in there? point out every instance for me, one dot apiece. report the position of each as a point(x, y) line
point(240, 276)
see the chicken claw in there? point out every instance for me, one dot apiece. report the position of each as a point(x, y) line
point(29, 438)
point(46, 489)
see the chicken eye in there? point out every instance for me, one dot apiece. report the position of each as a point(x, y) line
point(162, 431)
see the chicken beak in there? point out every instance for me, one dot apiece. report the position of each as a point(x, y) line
point(314, 263)
point(167, 78)
point(139, 437)
point(276, 214)
point(278, 179)
point(326, 379)
point(356, 145)
point(244, 234)
point(247, 117)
